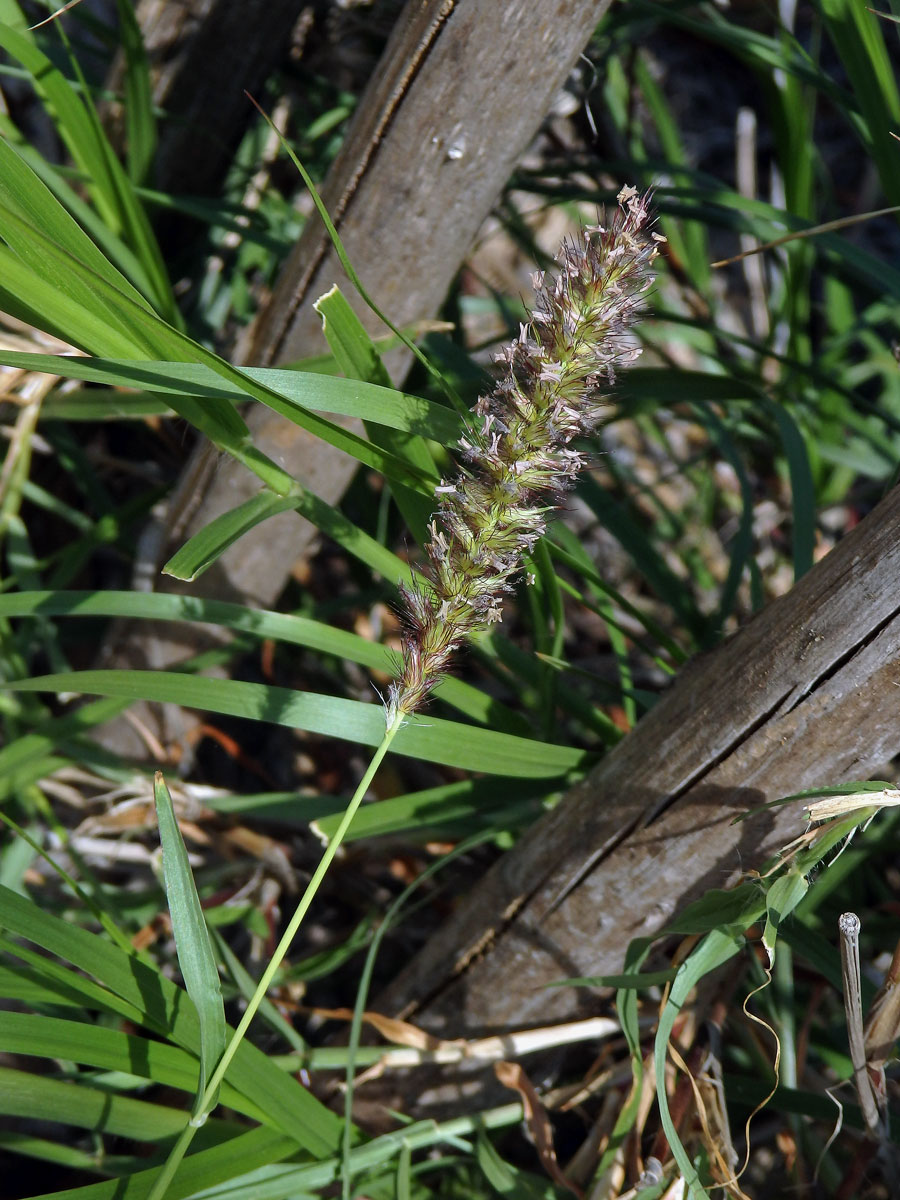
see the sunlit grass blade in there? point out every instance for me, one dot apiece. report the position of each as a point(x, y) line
point(304, 389)
point(283, 627)
point(156, 1003)
point(211, 542)
point(357, 357)
point(431, 739)
point(192, 944)
point(77, 123)
point(71, 313)
point(119, 254)
point(22, 191)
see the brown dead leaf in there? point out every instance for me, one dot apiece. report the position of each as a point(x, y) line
point(512, 1076)
point(399, 1032)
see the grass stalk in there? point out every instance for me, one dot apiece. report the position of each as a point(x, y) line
point(209, 1098)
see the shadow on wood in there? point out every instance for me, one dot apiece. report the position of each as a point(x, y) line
point(806, 695)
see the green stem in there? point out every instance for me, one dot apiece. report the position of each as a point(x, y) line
point(209, 1099)
point(170, 1166)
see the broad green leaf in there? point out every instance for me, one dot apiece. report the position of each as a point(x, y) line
point(781, 899)
point(432, 740)
point(192, 944)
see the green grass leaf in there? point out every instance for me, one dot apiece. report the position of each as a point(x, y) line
point(24, 1094)
point(140, 122)
point(357, 357)
point(210, 543)
point(281, 627)
point(78, 125)
point(303, 389)
point(205, 1169)
point(432, 740)
point(192, 943)
point(256, 1084)
point(716, 948)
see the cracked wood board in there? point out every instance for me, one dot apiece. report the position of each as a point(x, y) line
point(806, 695)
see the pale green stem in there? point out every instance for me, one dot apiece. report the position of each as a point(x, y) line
point(208, 1100)
point(170, 1166)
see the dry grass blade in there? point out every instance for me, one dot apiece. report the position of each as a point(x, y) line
point(849, 926)
point(798, 234)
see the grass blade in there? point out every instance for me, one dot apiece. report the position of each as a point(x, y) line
point(192, 943)
point(434, 740)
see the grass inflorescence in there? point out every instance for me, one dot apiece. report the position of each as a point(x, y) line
point(519, 451)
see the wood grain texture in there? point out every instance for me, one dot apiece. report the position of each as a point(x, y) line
point(464, 86)
point(807, 694)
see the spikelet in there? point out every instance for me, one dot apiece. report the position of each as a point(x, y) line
point(517, 452)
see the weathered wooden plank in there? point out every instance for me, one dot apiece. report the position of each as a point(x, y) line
point(806, 695)
point(462, 88)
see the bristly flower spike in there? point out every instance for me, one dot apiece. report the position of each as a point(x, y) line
point(517, 452)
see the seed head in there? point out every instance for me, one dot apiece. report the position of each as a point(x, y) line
point(517, 456)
